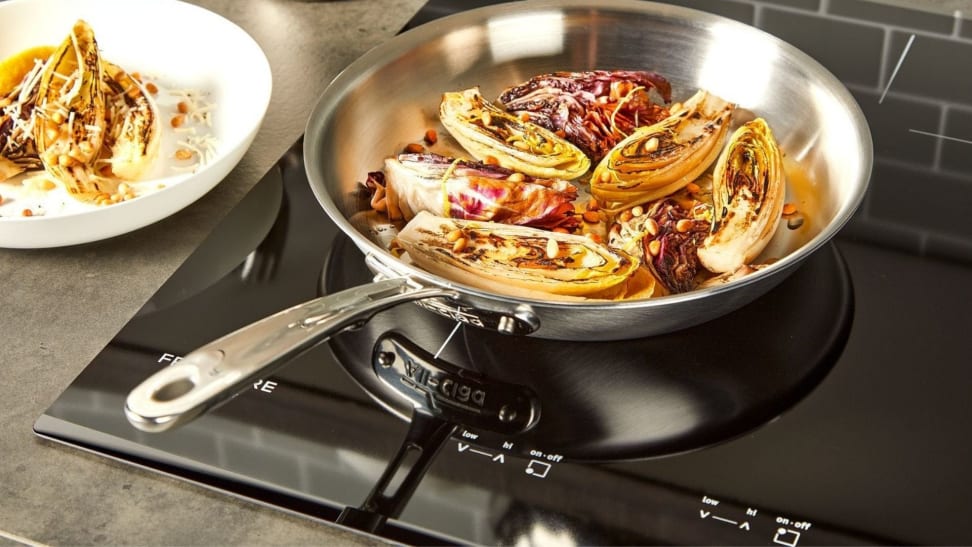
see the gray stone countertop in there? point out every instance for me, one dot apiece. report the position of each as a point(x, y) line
point(59, 307)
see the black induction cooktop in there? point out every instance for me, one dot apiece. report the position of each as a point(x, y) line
point(841, 416)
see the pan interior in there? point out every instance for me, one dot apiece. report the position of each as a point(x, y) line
point(390, 97)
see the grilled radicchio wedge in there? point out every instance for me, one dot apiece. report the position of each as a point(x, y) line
point(594, 110)
point(514, 260)
point(665, 236)
point(659, 159)
point(486, 130)
point(748, 187)
point(471, 190)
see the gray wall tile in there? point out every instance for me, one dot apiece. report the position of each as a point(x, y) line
point(957, 156)
point(824, 40)
point(893, 15)
point(926, 201)
point(936, 68)
point(890, 120)
point(802, 4)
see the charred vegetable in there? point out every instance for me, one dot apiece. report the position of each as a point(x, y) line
point(84, 120)
point(71, 104)
point(487, 131)
point(136, 132)
point(594, 110)
point(659, 159)
point(470, 190)
point(18, 97)
point(747, 193)
point(514, 260)
point(665, 236)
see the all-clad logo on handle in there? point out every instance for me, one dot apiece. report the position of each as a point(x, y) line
point(452, 393)
point(444, 385)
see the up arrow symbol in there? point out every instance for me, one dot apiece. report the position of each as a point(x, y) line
point(703, 513)
point(744, 526)
point(499, 458)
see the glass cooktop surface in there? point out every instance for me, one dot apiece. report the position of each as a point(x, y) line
point(841, 416)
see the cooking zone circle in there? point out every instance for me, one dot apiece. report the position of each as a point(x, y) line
point(617, 400)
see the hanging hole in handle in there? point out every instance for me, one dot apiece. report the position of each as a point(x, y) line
point(173, 390)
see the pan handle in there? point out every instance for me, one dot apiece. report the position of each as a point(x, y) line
point(218, 371)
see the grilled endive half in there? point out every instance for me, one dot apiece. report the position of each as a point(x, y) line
point(748, 188)
point(71, 104)
point(657, 160)
point(136, 136)
point(514, 260)
point(487, 131)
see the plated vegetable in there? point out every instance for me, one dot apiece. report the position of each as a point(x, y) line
point(72, 120)
point(676, 200)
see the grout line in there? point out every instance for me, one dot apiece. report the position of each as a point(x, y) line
point(894, 73)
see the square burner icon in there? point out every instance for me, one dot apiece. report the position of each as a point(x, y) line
point(538, 469)
point(786, 537)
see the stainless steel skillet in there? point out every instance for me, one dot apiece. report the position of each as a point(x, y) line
point(389, 97)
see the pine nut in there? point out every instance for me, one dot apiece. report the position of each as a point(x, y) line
point(651, 226)
point(654, 247)
point(454, 235)
point(553, 249)
point(651, 145)
point(683, 225)
point(459, 245)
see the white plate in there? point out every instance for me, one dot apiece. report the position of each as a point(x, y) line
point(176, 46)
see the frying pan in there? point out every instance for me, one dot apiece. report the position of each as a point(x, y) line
point(389, 97)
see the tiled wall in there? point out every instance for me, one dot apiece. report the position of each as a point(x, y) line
point(920, 197)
